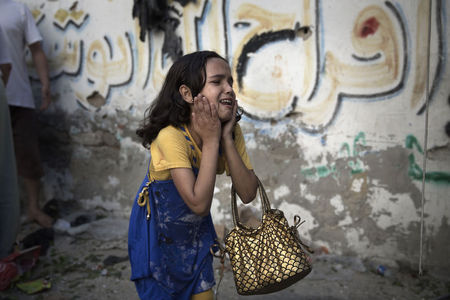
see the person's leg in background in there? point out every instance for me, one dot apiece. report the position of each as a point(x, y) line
point(9, 191)
point(29, 167)
point(34, 213)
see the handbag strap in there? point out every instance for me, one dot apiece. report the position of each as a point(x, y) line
point(262, 195)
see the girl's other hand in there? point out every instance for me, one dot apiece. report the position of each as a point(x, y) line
point(228, 127)
point(205, 120)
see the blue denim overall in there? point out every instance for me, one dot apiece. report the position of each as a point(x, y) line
point(169, 245)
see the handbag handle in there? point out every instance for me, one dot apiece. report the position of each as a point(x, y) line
point(262, 195)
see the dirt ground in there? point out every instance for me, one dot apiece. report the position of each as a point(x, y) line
point(91, 263)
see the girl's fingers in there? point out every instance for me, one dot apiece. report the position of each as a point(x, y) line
point(207, 106)
point(203, 106)
point(204, 110)
point(212, 108)
point(198, 104)
point(196, 107)
point(214, 113)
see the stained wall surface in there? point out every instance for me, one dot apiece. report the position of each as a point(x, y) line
point(334, 95)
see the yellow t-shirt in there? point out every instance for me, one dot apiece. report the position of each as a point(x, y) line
point(175, 148)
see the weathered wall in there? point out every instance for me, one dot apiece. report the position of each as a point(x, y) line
point(334, 100)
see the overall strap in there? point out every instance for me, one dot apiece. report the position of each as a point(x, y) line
point(186, 136)
point(194, 157)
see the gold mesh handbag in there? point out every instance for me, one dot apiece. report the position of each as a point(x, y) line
point(268, 258)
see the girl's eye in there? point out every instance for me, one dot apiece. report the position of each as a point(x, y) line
point(215, 82)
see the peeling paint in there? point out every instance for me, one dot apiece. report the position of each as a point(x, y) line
point(113, 181)
point(290, 210)
point(281, 191)
point(356, 185)
point(356, 239)
point(347, 221)
point(387, 212)
point(336, 201)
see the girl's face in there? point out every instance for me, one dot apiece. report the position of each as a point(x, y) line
point(218, 87)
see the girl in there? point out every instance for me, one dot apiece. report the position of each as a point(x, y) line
point(192, 132)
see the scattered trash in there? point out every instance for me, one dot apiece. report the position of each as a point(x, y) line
point(42, 237)
point(61, 225)
point(52, 208)
point(343, 262)
point(35, 286)
point(112, 260)
point(24, 259)
point(383, 266)
point(383, 271)
point(108, 229)
point(56, 208)
point(104, 272)
point(17, 263)
point(80, 220)
point(8, 273)
point(64, 226)
point(323, 250)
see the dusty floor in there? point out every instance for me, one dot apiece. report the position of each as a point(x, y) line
point(92, 265)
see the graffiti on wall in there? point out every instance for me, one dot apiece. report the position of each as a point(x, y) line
point(102, 63)
point(354, 156)
point(285, 60)
point(415, 171)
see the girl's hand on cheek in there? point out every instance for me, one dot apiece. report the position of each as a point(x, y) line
point(228, 126)
point(206, 120)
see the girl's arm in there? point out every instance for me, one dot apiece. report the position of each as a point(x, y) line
point(198, 192)
point(243, 179)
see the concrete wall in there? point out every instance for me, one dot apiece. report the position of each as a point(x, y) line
point(334, 99)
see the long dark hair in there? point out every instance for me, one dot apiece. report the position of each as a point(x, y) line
point(169, 108)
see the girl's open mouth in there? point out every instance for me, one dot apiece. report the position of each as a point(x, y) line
point(226, 102)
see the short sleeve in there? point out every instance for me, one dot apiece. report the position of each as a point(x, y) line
point(31, 31)
point(170, 150)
